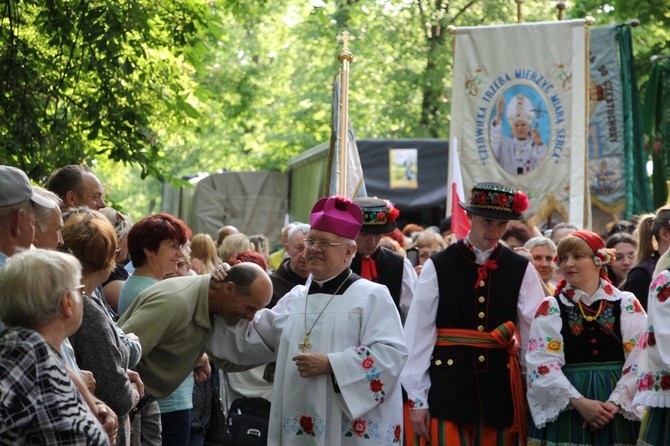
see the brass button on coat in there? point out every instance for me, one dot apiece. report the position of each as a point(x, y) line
point(481, 299)
point(438, 362)
point(481, 315)
point(480, 327)
point(481, 358)
point(450, 362)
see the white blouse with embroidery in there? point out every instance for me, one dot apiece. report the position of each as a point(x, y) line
point(549, 390)
point(653, 386)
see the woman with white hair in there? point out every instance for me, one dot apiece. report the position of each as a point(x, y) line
point(542, 252)
point(39, 402)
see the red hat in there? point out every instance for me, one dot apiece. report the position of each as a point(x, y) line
point(337, 215)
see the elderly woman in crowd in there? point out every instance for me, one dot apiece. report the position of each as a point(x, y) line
point(156, 245)
point(580, 360)
point(39, 402)
point(98, 344)
point(541, 251)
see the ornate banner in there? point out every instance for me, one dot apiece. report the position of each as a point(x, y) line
point(519, 111)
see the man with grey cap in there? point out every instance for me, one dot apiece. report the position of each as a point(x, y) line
point(17, 211)
point(378, 264)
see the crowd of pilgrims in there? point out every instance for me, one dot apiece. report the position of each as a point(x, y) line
point(596, 362)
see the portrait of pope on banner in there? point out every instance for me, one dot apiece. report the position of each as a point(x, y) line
point(519, 129)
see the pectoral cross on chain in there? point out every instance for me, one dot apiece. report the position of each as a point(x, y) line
point(305, 345)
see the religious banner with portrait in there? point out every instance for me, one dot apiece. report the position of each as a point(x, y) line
point(519, 112)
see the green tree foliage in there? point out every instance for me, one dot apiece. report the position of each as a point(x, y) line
point(83, 80)
point(164, 89)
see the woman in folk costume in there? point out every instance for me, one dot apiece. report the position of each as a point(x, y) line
point(653, 386)
point(580, 360)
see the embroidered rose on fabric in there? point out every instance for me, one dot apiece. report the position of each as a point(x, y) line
point(306, 426)
point(554, 346)
point(396, 433)
point(543, 370)
point(608, 289)
point(629, 345)
point(665, 382)
point(645, 383)
point(662, 293)
point(534, 344)
point(503, 200)
point(372, 374)
point(376, 385)
point(367, 363)
point(360, 427)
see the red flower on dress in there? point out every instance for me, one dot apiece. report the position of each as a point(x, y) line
point(543, 370)
point(637, 306)
point(663, 294)
point(412, 404)
point(520, 203)
point(367, 363)
point(608, 289)
point(307, 425)
point(646, 382)
point(543, 309)
point(376, 385)
point(359, 427)
point(396, 433)
point(665, 382)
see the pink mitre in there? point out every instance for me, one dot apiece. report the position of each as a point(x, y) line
point(337, 215)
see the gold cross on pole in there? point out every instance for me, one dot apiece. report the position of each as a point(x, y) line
point(345, 38)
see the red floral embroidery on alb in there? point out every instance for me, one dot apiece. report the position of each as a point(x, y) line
point(359, 427)
point(367, 363)
point(376, 385)
point(543, 370)
point(307, 425)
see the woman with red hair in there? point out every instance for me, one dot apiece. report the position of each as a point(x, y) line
point(580, 361)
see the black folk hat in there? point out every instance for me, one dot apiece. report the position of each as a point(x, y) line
point(378, 215)
point(493, 200)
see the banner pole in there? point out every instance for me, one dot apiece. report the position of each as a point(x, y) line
point(345, 58)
